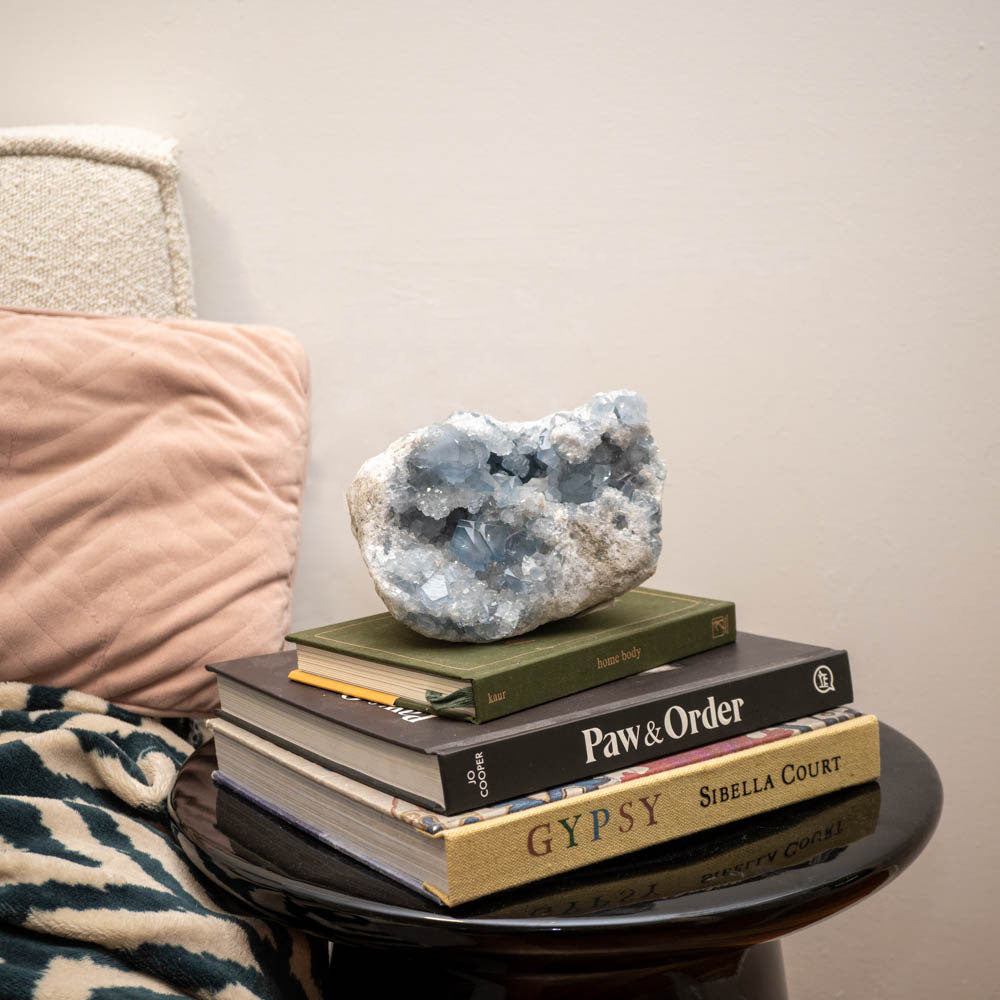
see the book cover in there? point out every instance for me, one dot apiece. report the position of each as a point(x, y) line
point(564, 828)
point(754, 682)
point(644, 628)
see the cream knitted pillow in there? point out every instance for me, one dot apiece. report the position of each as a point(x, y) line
point(90, 221)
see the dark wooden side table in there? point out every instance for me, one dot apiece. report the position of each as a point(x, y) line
point(695, 918)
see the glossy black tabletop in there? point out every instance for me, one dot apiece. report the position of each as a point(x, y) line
point(729, 888)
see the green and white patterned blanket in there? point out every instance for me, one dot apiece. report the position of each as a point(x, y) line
point(96, 901)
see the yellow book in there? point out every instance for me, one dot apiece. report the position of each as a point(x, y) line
point(808, 833)
point(459, 858)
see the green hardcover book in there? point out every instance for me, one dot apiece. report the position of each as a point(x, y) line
point(382, 660)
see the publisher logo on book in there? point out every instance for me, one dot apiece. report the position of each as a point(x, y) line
point(720, 626)
point(823, 679)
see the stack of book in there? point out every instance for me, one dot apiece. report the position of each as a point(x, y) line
point(462, 770)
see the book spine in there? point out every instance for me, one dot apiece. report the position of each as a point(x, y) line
point(566, 673)
point(561, 836)
point(821, 832)
point(494, 771)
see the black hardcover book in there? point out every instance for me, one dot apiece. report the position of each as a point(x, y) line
point(449, 766)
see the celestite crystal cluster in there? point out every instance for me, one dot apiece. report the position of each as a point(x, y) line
point(475, 530)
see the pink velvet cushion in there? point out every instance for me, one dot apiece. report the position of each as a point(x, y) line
point(151, 473)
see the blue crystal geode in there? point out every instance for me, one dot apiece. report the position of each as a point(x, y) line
point(475, 530)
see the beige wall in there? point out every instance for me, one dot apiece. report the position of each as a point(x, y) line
point(778, 221)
